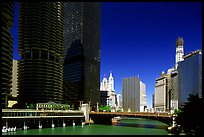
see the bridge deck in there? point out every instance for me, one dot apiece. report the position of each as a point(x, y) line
point(143, 114)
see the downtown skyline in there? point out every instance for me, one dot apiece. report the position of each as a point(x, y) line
point(140, 38)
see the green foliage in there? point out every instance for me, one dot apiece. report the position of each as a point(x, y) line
point(105, 108)
point(190, 116)
point(67, 107)
point(58, 106)
point(72, 107)
point(31, 106)
point(176, 111)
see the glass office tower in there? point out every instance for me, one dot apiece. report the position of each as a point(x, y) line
point(41, 46)
point(7, 20)
point(82, 50)
point(190, 76)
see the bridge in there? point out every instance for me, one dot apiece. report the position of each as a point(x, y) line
point(105, 117)
point(136, 114)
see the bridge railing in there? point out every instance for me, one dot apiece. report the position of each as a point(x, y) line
point(135, 114)
point(25, 113)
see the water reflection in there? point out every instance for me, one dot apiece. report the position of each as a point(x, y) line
point(130, 126)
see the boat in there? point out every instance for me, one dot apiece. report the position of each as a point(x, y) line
point(40, 126)
point(115, 120)
point(4, 129)
point(14, 129)
point(9, 129)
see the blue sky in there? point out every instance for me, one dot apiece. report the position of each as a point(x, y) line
point(139, 38)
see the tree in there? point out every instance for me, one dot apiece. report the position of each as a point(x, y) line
point(105, 108)
point(190, 116)
point(31, 106)
point(176, 111)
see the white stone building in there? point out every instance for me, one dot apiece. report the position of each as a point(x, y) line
point(143, 98)
point(108, 85)
point(119, 102)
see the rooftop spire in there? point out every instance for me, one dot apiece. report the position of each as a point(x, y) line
point(110, 73)
point(179, 41)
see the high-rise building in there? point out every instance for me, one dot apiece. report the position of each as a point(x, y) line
point(7, 20)
point(14, 88)
point(82, 50)
point(131, 94)
point(174, 90)
point(119, 101)
point(143, 98)
point(108, 85)
point(179, 50)
point(162, 93)
point(104, 97)
point(153, 101)
point(190, 76)
point(41, 47)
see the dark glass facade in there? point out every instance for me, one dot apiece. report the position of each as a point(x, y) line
point(190, 76)
point(104, 97)
point(41, 46)
point(82, 50)
point(70, 93)
point(7, 20)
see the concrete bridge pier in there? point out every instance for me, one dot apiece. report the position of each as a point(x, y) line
point(24, 125)
point(40, 126)
point(53, 125)
point(64, 124)
point(73, 123)
point(6, 124)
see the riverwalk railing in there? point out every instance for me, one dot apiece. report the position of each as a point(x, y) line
point(32, 113)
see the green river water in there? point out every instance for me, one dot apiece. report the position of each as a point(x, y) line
point(128, 126)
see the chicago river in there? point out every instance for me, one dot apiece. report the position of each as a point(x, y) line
point(127, 126)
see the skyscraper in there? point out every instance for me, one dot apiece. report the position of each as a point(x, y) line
point(41, 46)
point(14, 84)
point(190, 76)
point(174, 90)
point(131, 94)
point(179, 50)
point(82, 49)
point(7, 50)
point(143, 98)
point(161, 95)
point(108, 85)
point(119, 101)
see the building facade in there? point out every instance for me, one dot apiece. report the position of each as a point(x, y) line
point(14, 88)
point(7, 21)
point(82, 49)
point(41, 47)
point(153, 101)
point(104, 97)
point(143, 98)
point(131, 94)
point(119, 104)
point(190, 76)
point(108, 85)
point(174, 96)
point(179, 50)
point(162, 93)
